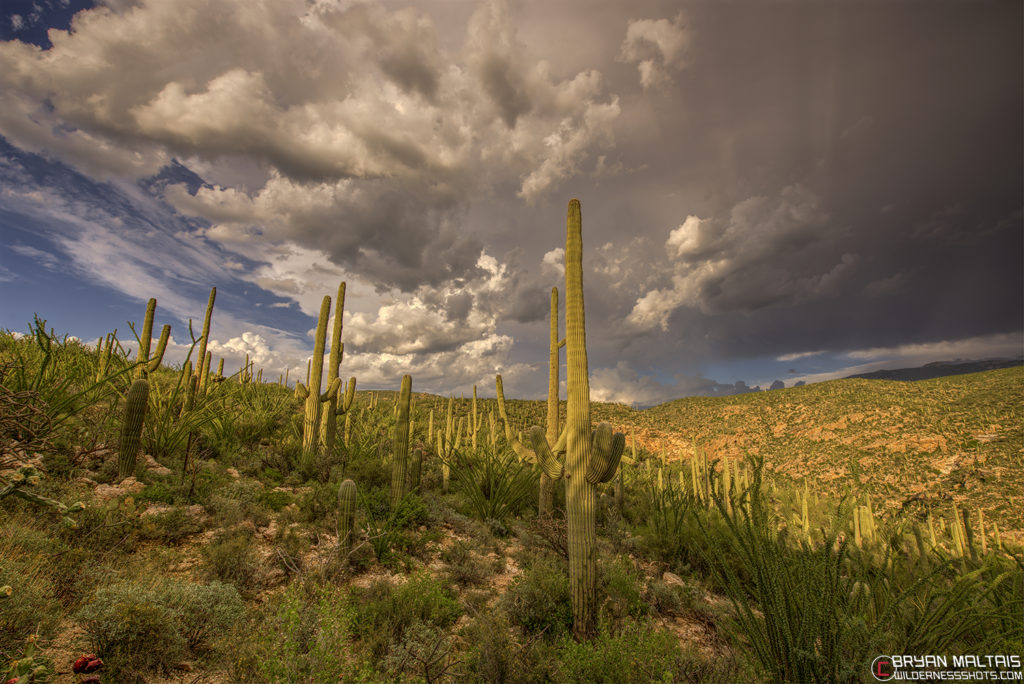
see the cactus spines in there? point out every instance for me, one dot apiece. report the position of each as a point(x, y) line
point(131, 428)
point(346, 517)
point(401, 449)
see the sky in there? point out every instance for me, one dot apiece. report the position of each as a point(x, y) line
point(772, 192)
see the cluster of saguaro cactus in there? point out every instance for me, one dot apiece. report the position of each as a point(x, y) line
point(401, 444)
point(138, 394)
point(311, 392)
point(448, 442)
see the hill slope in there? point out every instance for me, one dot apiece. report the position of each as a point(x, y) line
point(912, 445)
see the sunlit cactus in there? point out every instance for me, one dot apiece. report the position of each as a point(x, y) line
point(592, 456)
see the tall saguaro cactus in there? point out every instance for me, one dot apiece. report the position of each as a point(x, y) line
point(591, 456)
point(336, 405)
point(546, 485)
point(401, 450)
point(311, 421)
point(203, 365)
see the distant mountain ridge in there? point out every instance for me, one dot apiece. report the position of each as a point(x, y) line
point(939, 369)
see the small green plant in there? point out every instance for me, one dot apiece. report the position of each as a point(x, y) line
point(31, 667)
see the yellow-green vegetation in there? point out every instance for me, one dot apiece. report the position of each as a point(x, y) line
point(791, 535)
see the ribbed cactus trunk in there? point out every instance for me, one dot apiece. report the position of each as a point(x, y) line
point(329, 419)
point(580, 495)
point(311, 418)
point(546, 484)
point(401, 450)
point(202, 364)
point(131, 428)
point(137, 400)
point(346, 517)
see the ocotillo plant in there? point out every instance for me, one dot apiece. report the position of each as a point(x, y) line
point(311, 393)
point(346, 517)
point(591, 457)
point(401, 450)
point(333, 408)
point(138, 394)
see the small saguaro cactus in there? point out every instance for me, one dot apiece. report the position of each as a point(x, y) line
point(311, 393)
point(401, 450)
point(591, 456)
point(137, 400)
point(346, 517)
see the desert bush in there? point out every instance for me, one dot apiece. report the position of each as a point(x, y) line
point(538, 599)
point(638, 654)
point(497, 652)
point(169, 527)
point(138, 628)
point(32, 607)
point(382, 613)
point(622, 586)
point(301, 634)
point(231, 557)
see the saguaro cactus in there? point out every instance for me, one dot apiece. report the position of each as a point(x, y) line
point(591, 456)
point(346, 517)
point(546, 485)
point(138, 394)
point(203, 364)
point(401, 450)
point(311, 393)
point(335, 407)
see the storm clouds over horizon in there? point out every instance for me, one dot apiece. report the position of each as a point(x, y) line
point(770, 191)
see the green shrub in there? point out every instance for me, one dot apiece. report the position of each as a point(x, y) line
point(231, 557)
point(383, 612)
point(622, 585)
point(138, 628)
point(497, 654)
point(301, 634)
point(636, 654)
point(32, 607)
point(169, 527)
point(275, 499)
point(159, 492)
point(538, 599)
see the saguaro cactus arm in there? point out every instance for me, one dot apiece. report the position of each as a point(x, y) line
point(551, 466)
point(606, 450)
point(350, 395)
